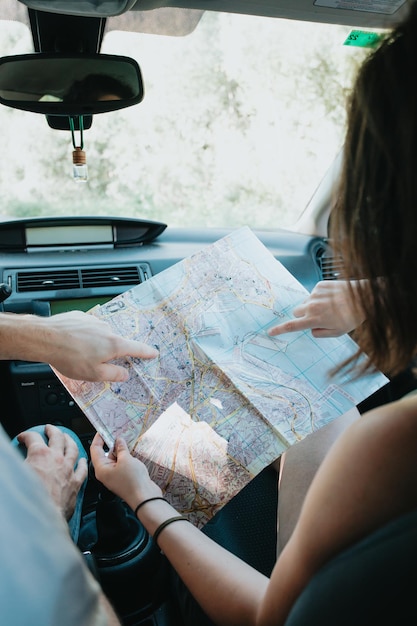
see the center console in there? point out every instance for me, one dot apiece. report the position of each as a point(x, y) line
point(51, 266)
point(42, 399)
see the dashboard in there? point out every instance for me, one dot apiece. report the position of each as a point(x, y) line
point(48, 266)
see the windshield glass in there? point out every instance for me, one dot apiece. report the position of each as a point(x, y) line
point(240, 120)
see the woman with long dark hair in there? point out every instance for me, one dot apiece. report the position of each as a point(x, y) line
point(369, 476)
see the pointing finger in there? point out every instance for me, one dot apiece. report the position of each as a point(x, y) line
point(289, 327)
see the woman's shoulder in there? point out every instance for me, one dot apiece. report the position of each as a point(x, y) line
point(388, 434)
point(398, 415)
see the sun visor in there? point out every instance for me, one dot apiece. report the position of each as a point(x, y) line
point(87, 8)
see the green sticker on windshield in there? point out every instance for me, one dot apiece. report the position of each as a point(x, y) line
point(363, 39)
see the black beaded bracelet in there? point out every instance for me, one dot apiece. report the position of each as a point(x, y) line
point(161, 527)
point(148, 500)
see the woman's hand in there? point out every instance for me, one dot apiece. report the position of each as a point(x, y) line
point(122, 473)
point(329, 311)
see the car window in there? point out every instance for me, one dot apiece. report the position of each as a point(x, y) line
point(241, 119)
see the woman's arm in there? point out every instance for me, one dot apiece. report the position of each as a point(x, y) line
point(368, 478)
point(229, 590)
point(375, 456)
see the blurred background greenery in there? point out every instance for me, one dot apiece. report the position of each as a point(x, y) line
point(240, 120)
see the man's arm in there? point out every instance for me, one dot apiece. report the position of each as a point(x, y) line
point(78, 345)
point(40, 563)
point(55, 463)
point(111, 617)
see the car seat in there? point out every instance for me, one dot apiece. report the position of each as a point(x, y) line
point(370, 584)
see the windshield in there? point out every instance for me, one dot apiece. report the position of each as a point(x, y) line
point(240, 120)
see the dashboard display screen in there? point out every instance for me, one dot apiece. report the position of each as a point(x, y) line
point(77, 304)
point(69, 235)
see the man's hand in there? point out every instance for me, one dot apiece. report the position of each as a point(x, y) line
point(54, 463)
point(328, 311)
point(81, 346)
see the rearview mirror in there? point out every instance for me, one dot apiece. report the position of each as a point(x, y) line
point(55, 84)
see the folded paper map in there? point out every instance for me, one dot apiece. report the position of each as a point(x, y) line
point(223, 399)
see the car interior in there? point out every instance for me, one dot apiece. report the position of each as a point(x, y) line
point(59, 257)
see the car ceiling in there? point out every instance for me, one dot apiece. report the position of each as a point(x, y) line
point(178, 17)
point(363, 12)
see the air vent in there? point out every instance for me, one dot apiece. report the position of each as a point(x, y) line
point(82, 278)
point(110, 276)
point(45, 281)
point(331, 267)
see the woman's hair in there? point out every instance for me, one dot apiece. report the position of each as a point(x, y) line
point(374, 220)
